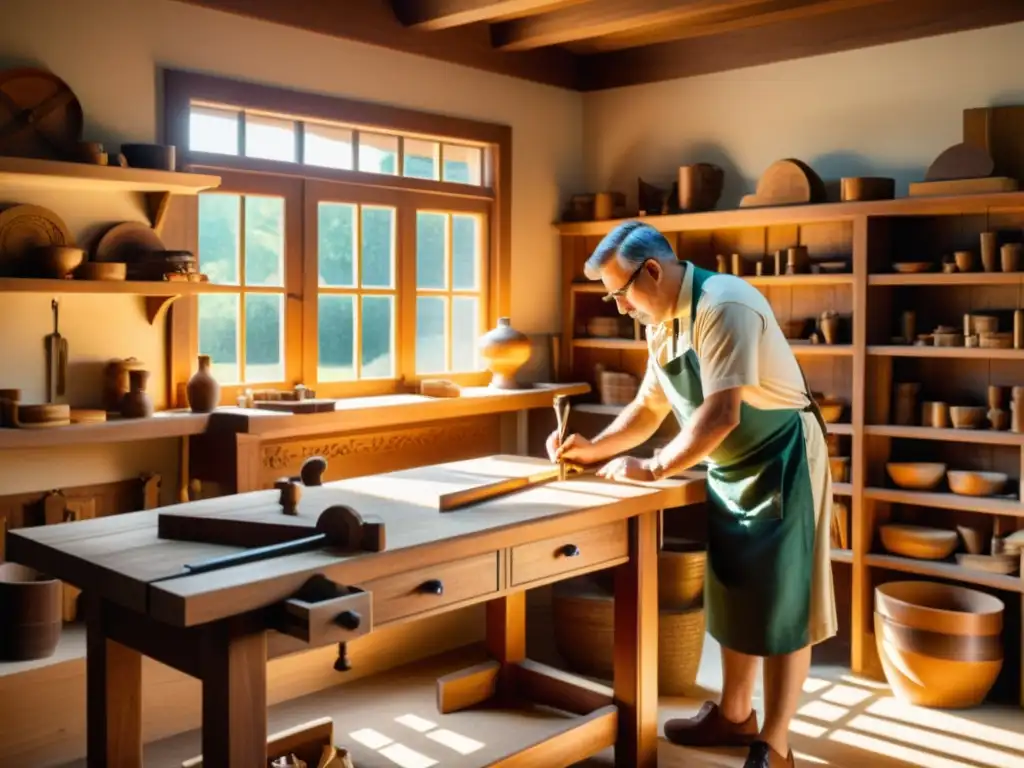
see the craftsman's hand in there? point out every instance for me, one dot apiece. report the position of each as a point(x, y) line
point(627, 468)
point(576, 448)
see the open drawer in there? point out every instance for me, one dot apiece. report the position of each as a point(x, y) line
point(323, 612)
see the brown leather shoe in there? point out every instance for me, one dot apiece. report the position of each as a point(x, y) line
point(709, 728)
point(763, 756)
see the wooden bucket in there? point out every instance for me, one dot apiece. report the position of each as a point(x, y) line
point(30, 613)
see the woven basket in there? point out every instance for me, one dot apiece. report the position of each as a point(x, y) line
point(681, 566)
point(617, 388)
point(584, 618)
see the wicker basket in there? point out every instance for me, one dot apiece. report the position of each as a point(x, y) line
point(585, 636)
point(616, 388)
point(681, 566)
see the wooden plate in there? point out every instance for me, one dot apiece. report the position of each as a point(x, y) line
point(1004, 564)
point(39, 115)
point(24, 227)
point(128, 242)
point(911, 267)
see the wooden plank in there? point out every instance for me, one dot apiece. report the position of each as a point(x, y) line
point(445, 14)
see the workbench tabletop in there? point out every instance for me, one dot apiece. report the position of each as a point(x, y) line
point(120, 556)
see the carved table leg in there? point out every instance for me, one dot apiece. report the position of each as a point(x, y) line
point(636, 647)
point(113, 696)
point(233, 661)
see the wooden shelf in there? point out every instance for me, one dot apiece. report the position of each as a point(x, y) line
point(797, 281)
point(60, 176)
point(943, 570)
point(166, 424)
point(159, 294)
point(965, 353)
point(609, 344)
point(838, 428)
point(939, 500)
point(950, 435)
point(955, 279)
point(842, 489)
point(841, 555)
point(805, 214)
point(807, 349)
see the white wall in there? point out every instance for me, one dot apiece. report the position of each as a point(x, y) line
point(886, 111)
point(109, 51)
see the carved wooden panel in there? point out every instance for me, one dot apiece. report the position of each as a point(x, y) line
point(384, 450)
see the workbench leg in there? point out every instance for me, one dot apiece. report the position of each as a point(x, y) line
point(113, 675)
point(636, 647)
point(233, 662)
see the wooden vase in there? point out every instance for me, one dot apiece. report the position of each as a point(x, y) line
point(30, 613)
point(115, 381)
point(506, 350)
point(202, 389)
point(700, 186)
point(137, 404)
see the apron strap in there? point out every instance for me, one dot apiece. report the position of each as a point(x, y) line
point(812, 405)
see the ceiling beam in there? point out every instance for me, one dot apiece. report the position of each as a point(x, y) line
point(373, 22)
point(720, 21)
point(600, 18)
point(813, 36)
point(445, 14)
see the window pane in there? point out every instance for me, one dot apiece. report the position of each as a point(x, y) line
point(270, 138)
point(213, 130)
point(327, 146)
point(218, 335)
point(463, 164)
point(336, 338)
point(421, 159)
point(431, 322)
point(264, 241)
point(336, 244)
point(431, 242)
point(378, 334)
point(465, 333)
point(219, 225)
point(465, 252)
point(378, 153)
point(264, 337)
point(378, 247)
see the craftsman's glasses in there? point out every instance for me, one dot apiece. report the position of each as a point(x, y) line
point(621, 292)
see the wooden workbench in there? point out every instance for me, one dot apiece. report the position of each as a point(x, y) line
point(220, 626)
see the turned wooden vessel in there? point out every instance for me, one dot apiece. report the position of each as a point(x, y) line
point(506, 350)
point(202, 389)
point(30, 613)
point(940, 645)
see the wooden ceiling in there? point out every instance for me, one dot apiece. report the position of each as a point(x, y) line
point(590, 45)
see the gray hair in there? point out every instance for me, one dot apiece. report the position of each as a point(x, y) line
point(632, 241)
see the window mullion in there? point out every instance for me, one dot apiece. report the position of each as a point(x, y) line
point(241, 284)
point(357, 303)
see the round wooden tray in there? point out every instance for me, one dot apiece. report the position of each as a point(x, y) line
point(39, 115)
point(129, 242)
point(24, 227)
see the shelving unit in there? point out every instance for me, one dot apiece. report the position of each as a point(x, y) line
point(872, 235)
point(156, 188)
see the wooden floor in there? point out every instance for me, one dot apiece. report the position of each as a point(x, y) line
point(391, 721)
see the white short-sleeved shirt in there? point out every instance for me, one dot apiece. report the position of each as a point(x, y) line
point(738, 343)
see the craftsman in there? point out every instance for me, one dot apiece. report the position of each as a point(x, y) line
point(718, 360)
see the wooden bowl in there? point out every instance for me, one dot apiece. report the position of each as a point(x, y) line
point(966, 416)
point(102, 270)
point(30, 613)
point(940, 645)
point(940, 671)
point(795, 328)
point(911, 267)
point(918, 541)
point(969, 483)
point(974, 539)
point(56, 262)
point(839, 467)
point(916, 475)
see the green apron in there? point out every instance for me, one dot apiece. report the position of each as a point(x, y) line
point(757, 592)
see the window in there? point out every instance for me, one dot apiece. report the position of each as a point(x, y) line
point(352, 248)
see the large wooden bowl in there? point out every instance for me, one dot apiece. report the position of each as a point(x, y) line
point(918, 541)
point(966, 416)
point(976, 483)
point(916, 475)
point(940, 646)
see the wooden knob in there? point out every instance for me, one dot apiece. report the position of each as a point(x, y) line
point(313, 470)
point(433, 587)
point(342, 664)
point(342, 526)
point(348, 620)
point(291, 492)
point(569, 550)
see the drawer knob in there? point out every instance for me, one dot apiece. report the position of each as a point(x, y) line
point(348, 620)
point(569, 550)
point(433, 587)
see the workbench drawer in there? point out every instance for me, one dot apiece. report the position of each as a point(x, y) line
point(572, 552)
point(406, 594)
point(319, 617)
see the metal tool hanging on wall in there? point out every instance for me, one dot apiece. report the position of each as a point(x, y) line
point(56, 358)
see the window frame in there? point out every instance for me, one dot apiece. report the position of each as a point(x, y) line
point(492, 198)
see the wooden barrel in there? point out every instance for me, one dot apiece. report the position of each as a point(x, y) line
point(30, 613)
point(584, 619)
